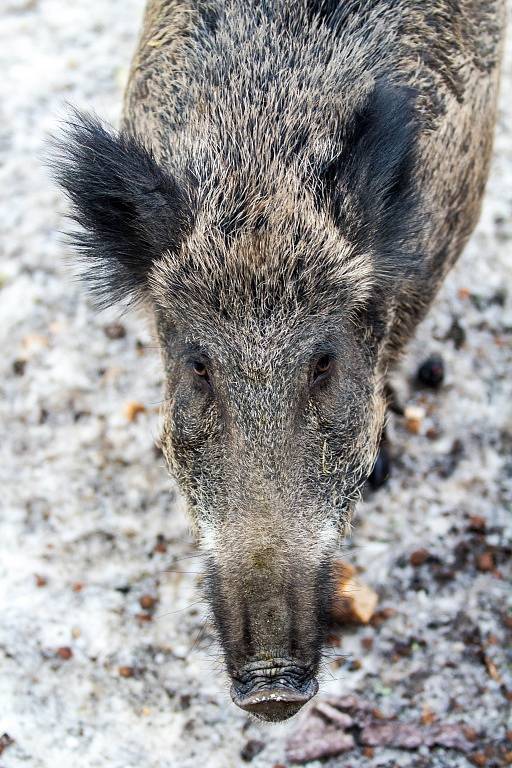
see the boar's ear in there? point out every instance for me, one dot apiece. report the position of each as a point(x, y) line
point(130, 211)
point(370, 183)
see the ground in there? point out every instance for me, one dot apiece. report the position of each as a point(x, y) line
point(106, 657)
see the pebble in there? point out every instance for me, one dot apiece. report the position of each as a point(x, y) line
point(431, 372)
point(65, 653)
point(418, 557)
point(252, 748)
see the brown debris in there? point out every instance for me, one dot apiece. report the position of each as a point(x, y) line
point(147, 602)
point(492, 669)
point(65, 653)
point(5, 741)
point(485, 562)
point(252, 748)
point(477, 523)
point(411, 736)
point(132, 409)
point(419, 557)
point(355, 602)
point(322, 731)
point(114, 331)
point(126, 671)
point(41, 581)
point(414, 416)
point(317, 740)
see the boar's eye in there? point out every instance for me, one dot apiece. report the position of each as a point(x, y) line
point(322, 368)
point(200, 370)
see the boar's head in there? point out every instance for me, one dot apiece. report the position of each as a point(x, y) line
point(271, 279)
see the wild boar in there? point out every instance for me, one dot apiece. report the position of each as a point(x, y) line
point(290, 184)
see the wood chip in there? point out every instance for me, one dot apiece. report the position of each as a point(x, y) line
point(414, 416)
point(132, 409)
point(355, 602)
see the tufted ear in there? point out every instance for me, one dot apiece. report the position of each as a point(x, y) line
point(129, 209)
point(370, 184)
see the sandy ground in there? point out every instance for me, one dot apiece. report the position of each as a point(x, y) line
point(90, 522)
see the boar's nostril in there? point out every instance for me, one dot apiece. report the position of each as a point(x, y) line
point(273, 693)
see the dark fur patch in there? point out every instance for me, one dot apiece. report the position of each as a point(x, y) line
point(370, 183)
point(130, 210)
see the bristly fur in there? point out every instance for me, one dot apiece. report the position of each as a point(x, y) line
point(292, 181)
point(130, 209)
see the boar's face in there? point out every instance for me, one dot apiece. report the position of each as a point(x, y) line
point(272, 294)
point(273, 412)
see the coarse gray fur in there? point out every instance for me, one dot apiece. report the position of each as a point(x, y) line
point(329, 159)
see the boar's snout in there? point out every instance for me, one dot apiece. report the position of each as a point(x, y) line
point(273, 690)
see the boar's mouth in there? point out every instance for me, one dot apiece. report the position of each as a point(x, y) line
point(273, 690)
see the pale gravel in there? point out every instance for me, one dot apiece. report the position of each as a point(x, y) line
point(84, 494)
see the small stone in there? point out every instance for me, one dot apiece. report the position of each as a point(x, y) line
point(114, 331)
point(432, 433)
point(132, 409)
point(77, 586)
point(41, 581)
point(251, 749)
point(147, 602)
point(65, 653)
point(431, 372)
point(368, 752)
point(126, 671)
point(485, 562)
point(18, 367)
point(507, 757)
point(470, 733)
point(144, 618)
point(456, 333)
point(479, 758)
point(419, 557)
